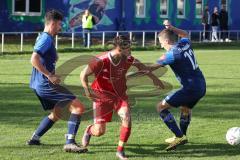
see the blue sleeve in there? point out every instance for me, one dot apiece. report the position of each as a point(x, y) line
point(166, 59)
point(185, 40)
point(43, 43)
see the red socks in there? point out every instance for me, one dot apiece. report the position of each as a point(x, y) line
point(124, 135)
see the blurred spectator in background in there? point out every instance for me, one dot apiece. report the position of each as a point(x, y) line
point(206, 23)
point(215, 23)
point(223, 19)
point(87, 26)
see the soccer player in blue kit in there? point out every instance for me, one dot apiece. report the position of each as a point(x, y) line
point(45, 84)
point(180, 57)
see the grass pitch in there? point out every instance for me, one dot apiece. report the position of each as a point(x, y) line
point(20, 113)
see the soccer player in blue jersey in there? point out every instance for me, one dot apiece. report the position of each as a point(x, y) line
point(180, 57)
point(45, 84)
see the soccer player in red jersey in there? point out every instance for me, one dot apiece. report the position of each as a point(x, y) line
point(109, 90)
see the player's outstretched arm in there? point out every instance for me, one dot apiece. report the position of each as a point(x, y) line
point(181, 33)
point(141, 67)
point(153, 67)
point(36, 63)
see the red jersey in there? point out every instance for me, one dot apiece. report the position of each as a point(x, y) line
point(110, 77)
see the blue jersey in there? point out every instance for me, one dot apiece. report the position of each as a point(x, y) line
point(182, 61)
point(45, 48)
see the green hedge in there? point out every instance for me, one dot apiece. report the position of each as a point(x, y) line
point(27, 48)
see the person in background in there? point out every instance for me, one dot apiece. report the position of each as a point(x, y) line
point(206, 23)
point(223, 19)
point(215, 23)
point(87, 26)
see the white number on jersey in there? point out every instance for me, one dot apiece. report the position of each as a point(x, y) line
point(190, 55)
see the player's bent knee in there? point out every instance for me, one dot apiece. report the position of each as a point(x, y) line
point(159, 107)
point(78, 110)
point(162, 105)
point(125, 117)
point(185, 110)
point(124, 113)
point(54, 117)
point(77, 107)
point(99, 131)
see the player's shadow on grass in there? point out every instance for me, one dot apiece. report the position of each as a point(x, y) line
point(157, 150)
point(188, 150)
point(19, 102)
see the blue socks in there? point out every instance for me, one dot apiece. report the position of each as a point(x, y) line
point(169, 120)
point(73, 125)
point(43, 127)
point(184, 122)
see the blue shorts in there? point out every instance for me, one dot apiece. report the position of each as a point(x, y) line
point(52, 98)
point(183, 97)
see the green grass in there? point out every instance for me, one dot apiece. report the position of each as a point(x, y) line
point(20, 113)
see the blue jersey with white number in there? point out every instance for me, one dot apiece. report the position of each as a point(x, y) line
point(45, 48)
point(182, 61)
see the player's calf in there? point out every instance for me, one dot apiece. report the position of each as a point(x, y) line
point(43, 127)
point(73, 125)
point(185, 119)
point(93, 130)
point(86, 136)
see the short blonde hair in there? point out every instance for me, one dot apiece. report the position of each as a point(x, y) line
point(168, 34)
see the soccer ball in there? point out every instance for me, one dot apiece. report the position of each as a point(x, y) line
point(233, 136)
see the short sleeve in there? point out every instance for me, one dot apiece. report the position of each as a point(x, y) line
point(96, 65)
point(43, 43)
point(130, 59)
point(167, 58)
point(185, 40)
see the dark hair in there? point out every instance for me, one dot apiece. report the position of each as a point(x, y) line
point(53, 15)
point(168, 34)
point(122, 41)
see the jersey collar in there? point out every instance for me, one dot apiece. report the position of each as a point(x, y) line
point(110, 58)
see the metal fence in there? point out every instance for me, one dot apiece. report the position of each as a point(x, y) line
point(24, 41)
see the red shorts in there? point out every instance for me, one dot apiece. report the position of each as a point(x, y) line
point(103, 110)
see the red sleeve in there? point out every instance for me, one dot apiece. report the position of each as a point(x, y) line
point(130, 59)
point(96, 65)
